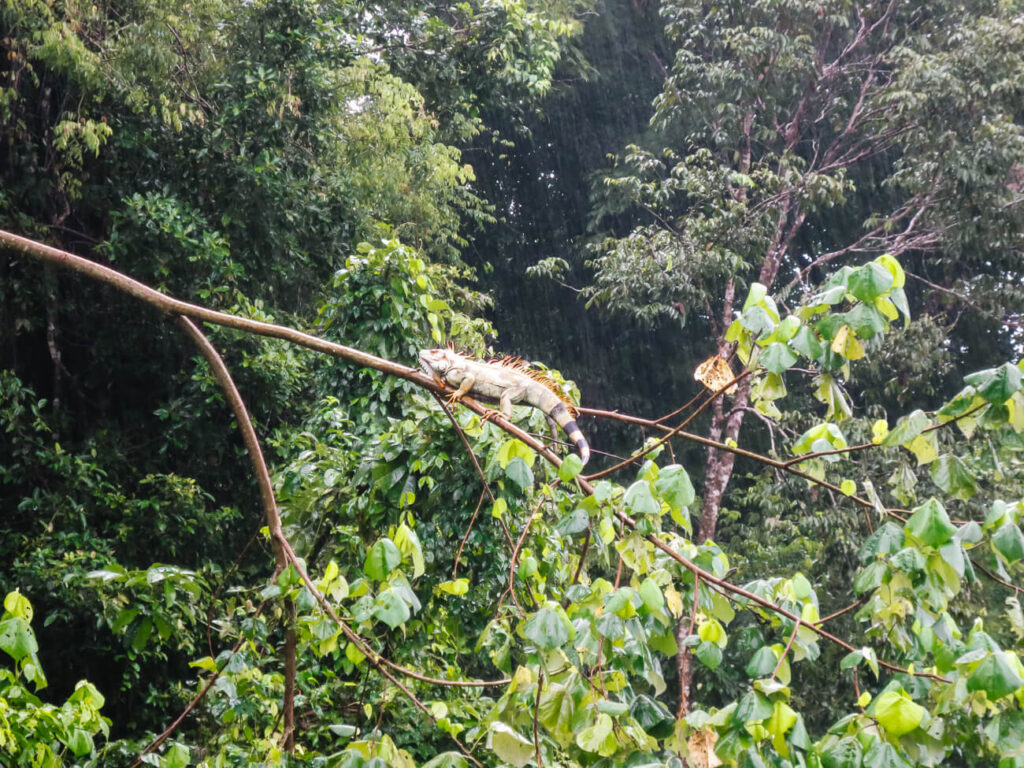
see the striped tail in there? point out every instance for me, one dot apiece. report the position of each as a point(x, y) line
point(564, 419)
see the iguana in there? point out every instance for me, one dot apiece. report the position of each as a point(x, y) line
point(508, 381)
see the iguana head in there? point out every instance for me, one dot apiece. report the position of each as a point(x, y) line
point(436, 362)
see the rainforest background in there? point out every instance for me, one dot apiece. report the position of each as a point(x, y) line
point(828, 192)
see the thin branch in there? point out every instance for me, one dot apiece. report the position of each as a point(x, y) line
point(678, 430)
point(465, 538)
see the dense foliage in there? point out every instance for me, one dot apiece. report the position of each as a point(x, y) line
point(828, 195)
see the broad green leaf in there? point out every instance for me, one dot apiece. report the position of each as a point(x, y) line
point(547, 629)
point(889, 262)
point(787, 328)
point(390, 608)
point(519, 472)
point(755, 296)
point(382, 558)
point(713, 632)
point(79, 741)
point(783, 718)
point(996, 384)
point(509, 745)
point(870, 577)
point(178, 756)
point(652, 716)
point(1006, 730)
point(897, 713)
point(866, 320)
point(762, 663)
point(709, 654)
point(408, 544)
point(639, 500)
point(887, 540)
point(576, 521)
point(924, 447)
point(907, 429)
point(847, 345)
point(16, 638)
point(778, 357)
point(1009, 541)
point(674, 486)
point(515, 449)
point(594, 738)
point(845, 753)
point(457, 587)
point(883, 755)
point(446, 760)
point(753, 707)
point(930, 524)
point(869, 282)
point(996, 676)
point(952, 476)
point(807, 344)
point(18, 605)
point(142, 634)
point(650, 593)
point(571, 466)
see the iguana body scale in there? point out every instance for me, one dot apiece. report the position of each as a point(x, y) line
point(508, 382)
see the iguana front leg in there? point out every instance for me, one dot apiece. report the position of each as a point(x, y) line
point(462, 391)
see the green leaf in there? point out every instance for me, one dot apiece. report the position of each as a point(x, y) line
point(925, 448)
point(897, 713)
point(1009, 541)
point(869, 282)
point(1006, 730)
point(446, 760)
point(806, 343)
point(390, 608)
point(907, 428)
point(674, 486)
point(80, 743)
point(652, 716)
point(571, 466)
point(639, 500)
point(575, 522)
point(752, 708)
point(996, 676)
point(890, 263)
point(650, 593)
point(930, 524)
point(509, 745)
point(709, 654)
point(846, 344)
point(382, 558)
point(870, 577)
point(409, 546)
point(142, 634)
point(845, 753)
point(519, 473)
point(594, 738)
point(762, 663)
point(866, 320)
point(778, 357)
point(887, 540)
point(755, 296)
point(996, 385)
point(513, 449)
point(883, 755)
point(952, 476)
point(547, 629)
point(177, 756)
point(16, 638)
